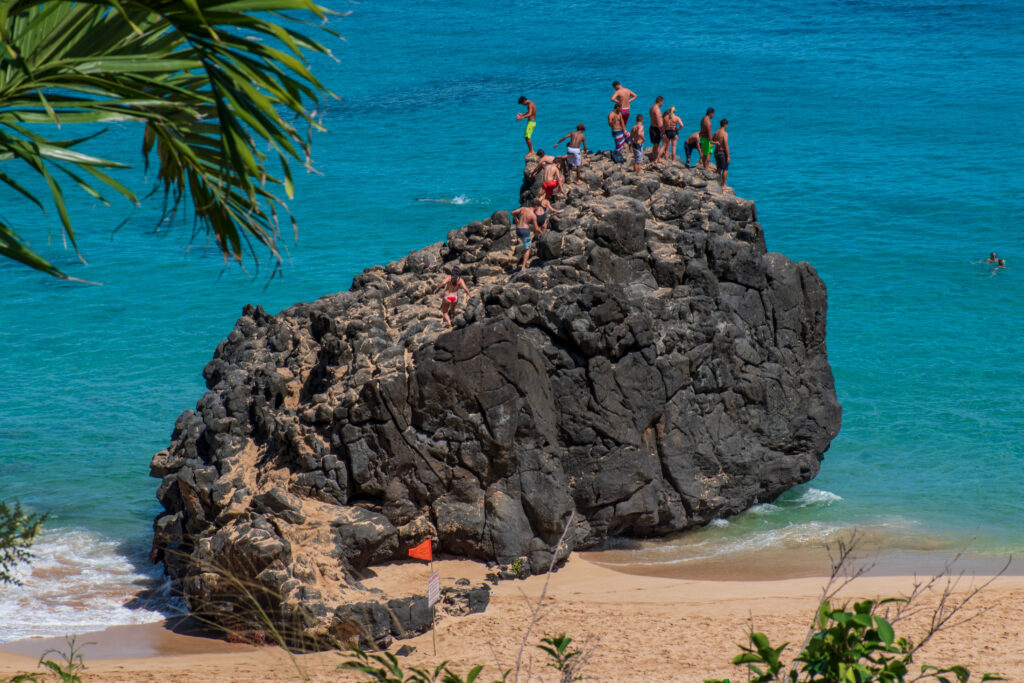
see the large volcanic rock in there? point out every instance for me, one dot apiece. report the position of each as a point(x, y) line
point(655, 368)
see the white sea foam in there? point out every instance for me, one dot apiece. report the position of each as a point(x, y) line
point(458, 200)
point(817, 497)
point(763, 509)
point(790, 536)
point(78, 581)
point(719, 522)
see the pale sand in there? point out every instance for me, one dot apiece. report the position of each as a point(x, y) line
point(649, 629)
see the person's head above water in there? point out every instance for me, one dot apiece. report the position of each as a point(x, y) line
point(992, 255)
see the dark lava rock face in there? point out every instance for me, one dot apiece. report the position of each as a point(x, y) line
point(655, 368)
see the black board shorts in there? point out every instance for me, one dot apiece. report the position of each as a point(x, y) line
point(655, 135)
point(720, 160)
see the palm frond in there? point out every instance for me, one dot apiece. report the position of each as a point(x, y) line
point(206, 80)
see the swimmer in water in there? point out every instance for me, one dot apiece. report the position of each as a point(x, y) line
point(1000, 265)
point(451, 285)
point(992, 258)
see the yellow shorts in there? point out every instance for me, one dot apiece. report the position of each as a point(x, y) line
point(530, 125)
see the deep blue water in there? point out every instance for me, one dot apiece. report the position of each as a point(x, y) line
point(881, 141)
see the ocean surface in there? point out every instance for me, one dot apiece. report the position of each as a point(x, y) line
point(881, 141)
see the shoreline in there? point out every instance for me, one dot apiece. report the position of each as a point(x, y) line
point(651, 628)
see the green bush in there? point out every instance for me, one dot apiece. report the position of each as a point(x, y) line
point(847, 647)
point(18, 529)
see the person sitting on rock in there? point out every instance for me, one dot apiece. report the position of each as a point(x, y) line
point(525, 219)
point(553, 178)
point(541, 208)
point(451, 285)
point(543, 159)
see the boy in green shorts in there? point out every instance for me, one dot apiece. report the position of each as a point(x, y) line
point(531, 121)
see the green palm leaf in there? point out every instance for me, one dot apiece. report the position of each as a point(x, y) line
point(206, 80)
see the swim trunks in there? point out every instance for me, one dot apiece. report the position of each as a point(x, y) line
point(530, 125)
point(705, 147)
point(542, 219)
point(524, 235)
point(574, 157)
point(549, 187)
point(655, 135)
point(625, 116)
point(621, 138)
point(688, 148)
point(638, 154)
point(720, 159)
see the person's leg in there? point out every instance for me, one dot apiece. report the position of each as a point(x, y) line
point(526, 258)
point(444, 312)
point(725, 174)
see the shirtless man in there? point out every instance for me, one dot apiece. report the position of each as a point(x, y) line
point(623, 96)
point(451, 286)
point(543, 159)
point(618, 127)
point(705, 138)
point(692, 143)
point(525, 219)
point(577, 141)
point(552, 179)
point(721, 141)
point(655, 127)
point(637, 142)
point(531, 121)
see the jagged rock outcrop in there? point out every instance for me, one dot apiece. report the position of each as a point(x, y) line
point(655, 368)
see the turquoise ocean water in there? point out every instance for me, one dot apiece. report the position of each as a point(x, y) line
point(881, 142)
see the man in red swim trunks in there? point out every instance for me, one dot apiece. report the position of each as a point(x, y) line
point(623, 96)
point(553, 179)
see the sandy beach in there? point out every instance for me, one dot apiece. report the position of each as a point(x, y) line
point(641, 628)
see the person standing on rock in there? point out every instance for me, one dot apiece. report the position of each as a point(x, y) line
point(692, 143)
point(655, 126)
point(618, 132)
point(636, 136)
point(451, 286)
point(525, 225)
point(577, 142)
point(721, 141)
point(531, 121)
point(705, 138)
point(670, 125)
point(623, 96)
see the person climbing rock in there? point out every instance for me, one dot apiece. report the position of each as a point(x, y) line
point(574, 157)
point(450, 299)
point(525, 225)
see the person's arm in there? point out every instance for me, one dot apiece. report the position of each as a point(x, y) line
point(632, 95)
point(583, 141)
point(462, 283)
point(562, 138)
point(442, 285)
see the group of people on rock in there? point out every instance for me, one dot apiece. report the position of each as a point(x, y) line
point(663, 127)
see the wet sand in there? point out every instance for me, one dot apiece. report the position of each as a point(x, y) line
point(642, 628)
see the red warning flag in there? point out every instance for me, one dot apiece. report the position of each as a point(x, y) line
point(422, 551)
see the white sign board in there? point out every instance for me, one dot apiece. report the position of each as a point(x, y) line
point(433, 589)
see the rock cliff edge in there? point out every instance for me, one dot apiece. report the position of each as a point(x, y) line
point(655, 368)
